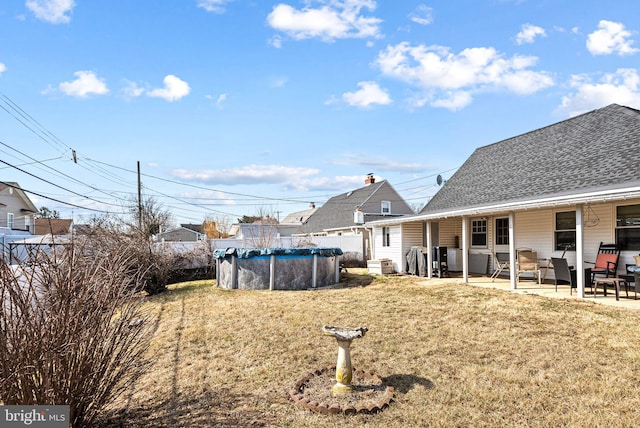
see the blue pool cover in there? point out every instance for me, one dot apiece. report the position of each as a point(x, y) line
point(247, 253)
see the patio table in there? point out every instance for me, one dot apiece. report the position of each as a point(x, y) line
point(616, 282)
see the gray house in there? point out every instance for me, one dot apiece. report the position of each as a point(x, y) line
point(567, 186)
point(184, 233)
point(350, 213)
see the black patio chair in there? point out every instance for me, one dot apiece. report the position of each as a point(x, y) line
point(564, 275)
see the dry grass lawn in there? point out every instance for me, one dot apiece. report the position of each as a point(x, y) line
point(457, 356)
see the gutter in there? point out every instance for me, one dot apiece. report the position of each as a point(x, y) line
point(584, 198)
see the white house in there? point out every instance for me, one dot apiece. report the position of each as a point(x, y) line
point(17, 212)
point(572, 184)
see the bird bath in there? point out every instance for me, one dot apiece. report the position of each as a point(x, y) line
point(344, 372)
point(353, 391)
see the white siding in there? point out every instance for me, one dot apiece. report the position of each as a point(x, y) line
point(449, 229)
point(394, 250)
point(533, 229)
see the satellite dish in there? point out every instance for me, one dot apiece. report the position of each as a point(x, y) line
point(439, 180)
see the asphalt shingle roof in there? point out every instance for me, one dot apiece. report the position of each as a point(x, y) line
point(594, 151)
point(337, 212)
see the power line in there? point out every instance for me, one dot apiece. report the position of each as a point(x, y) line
point(52, 199)
point(53, 184)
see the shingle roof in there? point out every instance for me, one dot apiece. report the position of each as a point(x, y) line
point(194, 227)
point(594, 151)
point(337, 212)
point(54, 226)
point(298, 217)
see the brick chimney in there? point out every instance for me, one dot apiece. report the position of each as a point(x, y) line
point(369, 179)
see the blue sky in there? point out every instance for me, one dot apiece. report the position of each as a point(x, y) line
point(236, 107)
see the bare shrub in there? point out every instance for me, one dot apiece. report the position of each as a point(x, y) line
point(111, 235)
point(71, 328)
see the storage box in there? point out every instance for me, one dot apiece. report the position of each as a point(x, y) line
point(380, 267)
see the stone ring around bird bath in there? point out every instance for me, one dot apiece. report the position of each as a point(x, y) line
point(354, 391)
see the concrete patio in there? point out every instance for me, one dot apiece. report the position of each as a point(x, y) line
point(546, 289)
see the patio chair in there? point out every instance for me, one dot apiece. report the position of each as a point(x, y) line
point(501, 262)
point(564, 275)
point(606, 261)
point(632, 274)
point(528, 263)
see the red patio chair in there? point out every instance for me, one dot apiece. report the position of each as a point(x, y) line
point(606, 261)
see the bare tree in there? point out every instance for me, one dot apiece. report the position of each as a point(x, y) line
point(149, 217)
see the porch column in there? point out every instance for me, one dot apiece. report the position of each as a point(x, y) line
point(429, 250)
point(465, 249)
point(580, 252)
point(512, 251)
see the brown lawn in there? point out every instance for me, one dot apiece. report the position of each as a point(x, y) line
point(456, 355)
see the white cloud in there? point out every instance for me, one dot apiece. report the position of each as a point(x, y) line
point(131, 90)
point(276, 41)
point(215, 6)
point(373, 163)
point(368, 94)
point(454, 100)
point(422, 15)
point(174, 89)
point(52, 11)
point(611, 37)
point(528, 34)
point(336, 184)
point(3, 68)
point(333, 19)
point(220, 100)
point(449, 80)
point(85, 84)
point(621, 87)
point(250, 174)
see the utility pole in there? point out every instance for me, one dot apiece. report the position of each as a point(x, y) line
point(139, 199)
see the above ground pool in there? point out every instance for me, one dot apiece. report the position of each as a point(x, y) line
point(277, 268)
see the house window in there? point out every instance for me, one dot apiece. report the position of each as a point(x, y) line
point(565, 232)
point(502, 231)
point(27, 223)
point(479, 233)
point(386, 237)
point(385, 207)
point(10, 220)
point(628, 227)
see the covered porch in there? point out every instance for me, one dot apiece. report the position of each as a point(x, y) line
point(546, 289)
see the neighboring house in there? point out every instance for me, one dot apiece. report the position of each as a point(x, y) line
point(259, 234)
point(182, 234)
point(194, 227)
point(17, 212)
point(570, 185)
point(351, 212)
point(53, 226)
point(293, 222)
